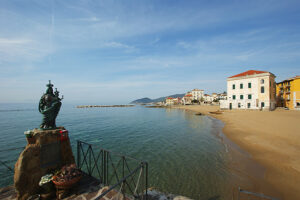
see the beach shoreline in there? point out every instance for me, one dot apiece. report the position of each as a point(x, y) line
point(272, 140)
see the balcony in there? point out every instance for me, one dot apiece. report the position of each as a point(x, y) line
point(288, 92)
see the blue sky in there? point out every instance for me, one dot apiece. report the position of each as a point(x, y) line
point(108, 52)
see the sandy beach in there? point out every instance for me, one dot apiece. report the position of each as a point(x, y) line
point(271, 137)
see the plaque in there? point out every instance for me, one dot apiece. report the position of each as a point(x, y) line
point(50, 155)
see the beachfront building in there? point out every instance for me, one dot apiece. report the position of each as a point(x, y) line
point(214, 96)
point(177, 101)
point(197, 94)
point(187, 99)
point(250, 90)
point(169, 101)
point(207, 98)
point(173, 101)
point(222, 96)
point(288, 93)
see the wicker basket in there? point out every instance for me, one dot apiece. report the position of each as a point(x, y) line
point(66, 184)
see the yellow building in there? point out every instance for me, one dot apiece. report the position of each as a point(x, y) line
point(288, 93)
point(169, 101)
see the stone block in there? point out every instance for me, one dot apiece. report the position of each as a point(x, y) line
point(28, 170)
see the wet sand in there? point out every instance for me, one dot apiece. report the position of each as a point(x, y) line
point(272, 138)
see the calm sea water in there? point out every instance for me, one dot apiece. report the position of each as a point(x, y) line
point(186, 153)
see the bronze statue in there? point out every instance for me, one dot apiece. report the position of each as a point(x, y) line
point(49, 106)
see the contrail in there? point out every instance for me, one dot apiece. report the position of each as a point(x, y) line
point(51, 31)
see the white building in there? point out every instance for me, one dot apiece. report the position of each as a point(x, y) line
point(169, 101)
point(250, 90)
point(187, 99)
point(215, 96)
point(222, 96)
point(207, 98)
point(197, 94)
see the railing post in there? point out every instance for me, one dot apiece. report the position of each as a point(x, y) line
point(78, 154)
point(90, 160)
point(102, 168)
point(146, 185)
point(107, 160)
point(123, 167)
point(104, 160)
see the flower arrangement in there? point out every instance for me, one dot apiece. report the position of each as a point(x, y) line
point(28, 134)
point(45, 179)
point(46, 183)
point(67, 176)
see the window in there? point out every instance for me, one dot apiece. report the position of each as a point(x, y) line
point(241, 96)
point(249, 96)
point(248, 105)
point(239, 105)
point(233, 86)
point(262, 104)
point(262, 81)
point(249, 85)
point(241, 86)
point(233, 96)
point(262, 89)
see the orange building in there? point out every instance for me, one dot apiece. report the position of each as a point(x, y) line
point(288, 93)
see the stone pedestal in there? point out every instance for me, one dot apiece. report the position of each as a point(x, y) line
point(47, 151)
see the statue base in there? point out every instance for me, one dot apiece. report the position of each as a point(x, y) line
point(46, 151)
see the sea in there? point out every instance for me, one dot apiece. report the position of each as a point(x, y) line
point(187, 154)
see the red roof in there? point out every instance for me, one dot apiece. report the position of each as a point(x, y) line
point(188, 95)
point(169, 98)
point(248, 73)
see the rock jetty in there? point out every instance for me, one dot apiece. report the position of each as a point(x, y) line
point(103, 106)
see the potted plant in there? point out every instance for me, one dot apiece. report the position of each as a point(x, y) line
point(29, 137)
point(66, 177)
point(46, 183)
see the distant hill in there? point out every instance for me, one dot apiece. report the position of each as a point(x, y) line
point(143, 100)
point(148, 100)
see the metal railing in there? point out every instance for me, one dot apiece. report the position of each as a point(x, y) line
point(244, 194)
point(121, 173)
point(8, 158)
point(8, 164)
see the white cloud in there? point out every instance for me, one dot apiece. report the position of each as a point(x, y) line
point(18, 49)
point(118, 45)
point(89, 19)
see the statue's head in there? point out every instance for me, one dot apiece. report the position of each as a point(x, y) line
point(48, 98)
point(49, 88)
point(49, 91)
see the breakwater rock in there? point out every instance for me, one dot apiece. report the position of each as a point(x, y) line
point(103, 106)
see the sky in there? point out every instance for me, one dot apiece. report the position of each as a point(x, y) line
point(113, 52)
